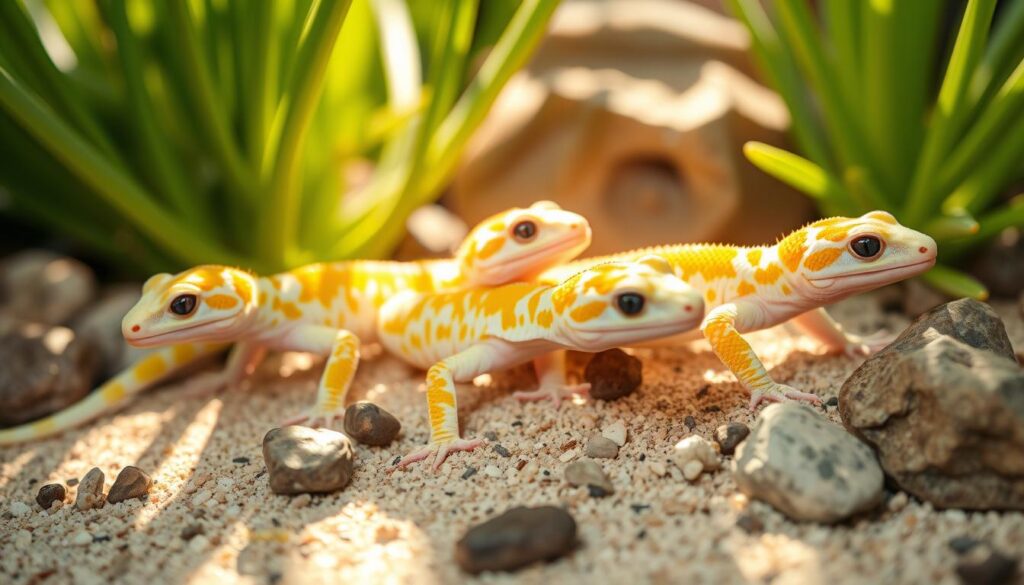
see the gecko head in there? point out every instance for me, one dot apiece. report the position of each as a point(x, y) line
point(519, 243)
point(205, 303)
point(623, 303)
point(840, 256)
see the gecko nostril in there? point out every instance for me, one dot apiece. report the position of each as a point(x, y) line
point(687, 308)
point(923, 250)
point(135, 328)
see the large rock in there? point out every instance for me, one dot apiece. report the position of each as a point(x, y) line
point(517, 538)
point(41, 286)
point(304, 460)
point(44, 369)
point(944, 407)
point(807, 467)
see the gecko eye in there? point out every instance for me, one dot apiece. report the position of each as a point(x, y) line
point(630, 303)
point(183, 305)
point(866, 247)
point(524, 231)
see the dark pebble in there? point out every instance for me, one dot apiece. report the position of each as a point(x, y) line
point(370, 424)
point(517, 538)
point(749, 523)
point(833, 402)
point(690, 422)
point(640, 507)
point(520, 464)
point(470, 472)
point(101, 538)
point(131, 483)
point(491, 436)
point(729, 436)
point(72, 482)
point(241, 460)
point(613, 374)
point(191, 531)
point(994, 569)
point(50, 493)
point(962, 544)
point(500, 450)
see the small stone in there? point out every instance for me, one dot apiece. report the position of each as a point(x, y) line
point(470, 472)
point(657, 468)
point(370, 424)
point(515, 539)
point(131, 483)
point(992, 568)
point(963, 544)
point(749, 523)
point(491, 436)
point(191, 531)
point(694, 455)
point(81, 538)
point(615, 432)
point(613, 374)
point(90, 490)
point(690, 422)
point(729, 436)
point(500, 450)
point(492, 471)
point(587, 472)
point(19, 509)
point(568, 456)
point(601, 447)
point(304, 460)
point(241, 460)
point(38, 285)
point(50, 493)
point(806, 466)
point(832, 402)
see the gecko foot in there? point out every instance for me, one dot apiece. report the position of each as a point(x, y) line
point(317, 418)
point(439, 451)
point(554, 393)
point(781, 393)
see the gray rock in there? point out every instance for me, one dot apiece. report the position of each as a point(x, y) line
point(613, 374)
point(944, 407)
point(370, 424)
point(601, 447)
point(586, 472)
point(99, 325)
point(517, 538)
point(50, 493)
point(729, 436)
point(90, 490)
point(40, 286)
point(304, 460)
point(45, 369)
point(984, 566)
point(807, 467)
point(131, 483)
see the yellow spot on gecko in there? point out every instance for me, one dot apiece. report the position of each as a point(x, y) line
point(490, 248)
point(589, 311)
point(221, 302)
point(150, 369)
point(745, 288)
point(822, 259)
point(768, 275)
point(544, 318)
point(183, 353)
point(754, 256)
point(113, 392)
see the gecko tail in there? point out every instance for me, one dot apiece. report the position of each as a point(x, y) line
point(115, 393)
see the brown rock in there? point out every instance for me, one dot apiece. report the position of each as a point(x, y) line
point(45, 369)
point(131, 483)
point(944, 407)
point(370, 424)
point(587, 472)
point(613, 374)
point(40, 286)
point(304, 460)
point(90, 490)
point(729, 436)
point(517, 538)
point(50, 493)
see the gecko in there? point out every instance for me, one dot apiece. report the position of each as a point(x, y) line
point(325, 309)
point(457, 336)
point(750, 288)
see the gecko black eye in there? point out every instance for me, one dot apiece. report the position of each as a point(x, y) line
point(866, 247)
point(630, 303)
point(524, 231)
point(183, 305)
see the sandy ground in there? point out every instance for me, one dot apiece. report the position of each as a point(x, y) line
point(204, 454)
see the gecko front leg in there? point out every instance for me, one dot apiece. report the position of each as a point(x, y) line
point(721, 327)
point(551, 380)
point(822, 327)
point(442, 406)
point(342, 348)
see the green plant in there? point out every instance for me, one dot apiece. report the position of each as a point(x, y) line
point(166, 133)
point(880, 131)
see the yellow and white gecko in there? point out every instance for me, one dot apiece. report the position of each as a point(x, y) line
point(746, 289)
point(324, 309)
point(460, 335)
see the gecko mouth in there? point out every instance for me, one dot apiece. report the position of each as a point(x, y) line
point(830, 281)
point(147, 340)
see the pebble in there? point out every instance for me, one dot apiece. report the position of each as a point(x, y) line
point(19, 509)
point(694, 455)
point(807, 467)
point(729, 436)
point(470, 472)
point(38, 285)
point(50, 493)
point(690, 422)
point(587, 472)
point(81, 538)
point(963, 544)
point(90, 490)
point(500, 450)
point(191, 531)
point(613, 374)
point(492, 471)
point(615, 432)
point(370, 424)
point(749, 523)
point(601, 447)
point(304, 460)
point(516, 538)
point(131, 483)
point(988, 567)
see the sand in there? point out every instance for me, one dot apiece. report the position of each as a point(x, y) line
point(203, 451)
